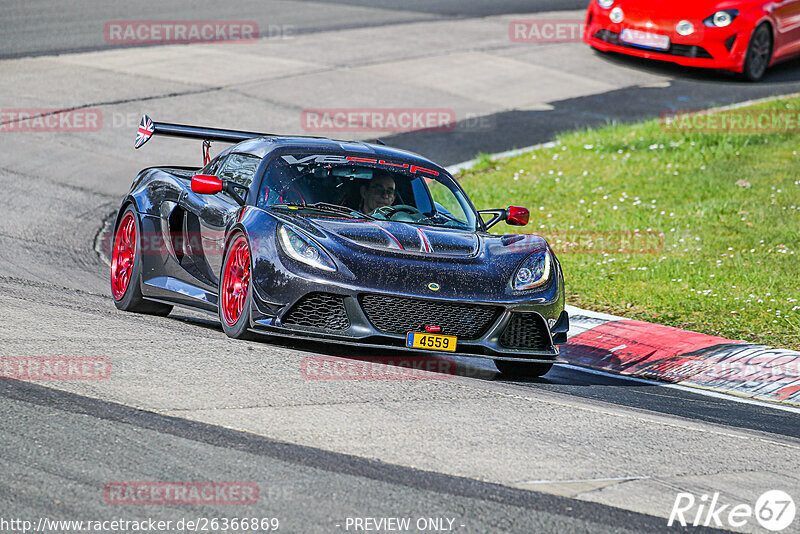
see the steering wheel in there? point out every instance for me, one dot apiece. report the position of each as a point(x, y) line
point(389, 211)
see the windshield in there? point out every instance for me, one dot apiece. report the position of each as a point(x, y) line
point(365, 188)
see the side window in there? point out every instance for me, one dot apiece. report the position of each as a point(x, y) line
point(240, 168)
point(446, 201)
point(214, 165)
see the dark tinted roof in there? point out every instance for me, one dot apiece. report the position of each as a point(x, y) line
point(261, 146)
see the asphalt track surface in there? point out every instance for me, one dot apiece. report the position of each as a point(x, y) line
point(59, 448)
point(52, 27)
point(307, 489)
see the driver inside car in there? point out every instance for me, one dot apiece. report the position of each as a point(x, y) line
point(379, 193)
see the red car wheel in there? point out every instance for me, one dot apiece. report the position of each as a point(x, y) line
point(126, 267)
point(236, 281)
point(123, 256)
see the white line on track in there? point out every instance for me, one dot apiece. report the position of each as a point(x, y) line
point(615, 479)
point(689, 389)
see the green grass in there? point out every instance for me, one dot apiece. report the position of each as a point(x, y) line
point(728, 263)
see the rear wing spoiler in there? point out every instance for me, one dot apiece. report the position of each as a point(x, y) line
point(148, 128)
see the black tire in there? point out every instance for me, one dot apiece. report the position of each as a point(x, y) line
point(523, 369)
point(759, 53)
point(131, 299)
point(240, 327)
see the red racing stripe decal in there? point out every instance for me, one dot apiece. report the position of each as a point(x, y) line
point(387, 232)
point(426, 246)
point(384, 230)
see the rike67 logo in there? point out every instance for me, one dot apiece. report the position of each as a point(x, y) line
point(774, 510)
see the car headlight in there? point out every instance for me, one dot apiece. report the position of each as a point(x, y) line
point(605, 4)
point(720, 19)
point(616, 15)
point(304, 250)
point(534, 271)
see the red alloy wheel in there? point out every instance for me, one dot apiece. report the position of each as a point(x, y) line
point(236, 281)
point(123, 257)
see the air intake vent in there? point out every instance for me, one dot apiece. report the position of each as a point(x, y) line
point(526, 331)
point(319, 310)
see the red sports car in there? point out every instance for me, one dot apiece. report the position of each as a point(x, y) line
point(740, 36)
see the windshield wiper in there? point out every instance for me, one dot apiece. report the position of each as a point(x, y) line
point(323, 206)
point(435, 215)
point(334, 207)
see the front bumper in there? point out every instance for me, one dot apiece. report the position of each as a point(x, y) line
point(341, 315)
point(712, 48)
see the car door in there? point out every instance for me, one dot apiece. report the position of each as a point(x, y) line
point(208, 216)
point(787, 36)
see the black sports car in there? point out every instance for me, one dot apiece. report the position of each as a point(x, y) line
point(339, 241)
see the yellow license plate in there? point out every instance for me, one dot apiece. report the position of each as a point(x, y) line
point(421, 340)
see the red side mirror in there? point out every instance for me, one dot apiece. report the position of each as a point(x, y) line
point(205, 184)
point(517, 216)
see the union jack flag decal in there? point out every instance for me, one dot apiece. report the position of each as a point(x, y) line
point(146, 129)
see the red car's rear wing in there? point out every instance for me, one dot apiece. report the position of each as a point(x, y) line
point(148, 128)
